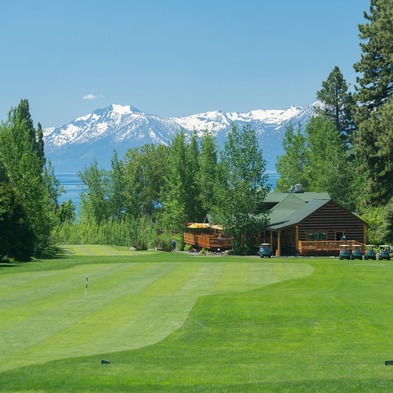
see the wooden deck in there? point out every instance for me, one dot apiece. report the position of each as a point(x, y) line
point(207, 241)
point(325, 247)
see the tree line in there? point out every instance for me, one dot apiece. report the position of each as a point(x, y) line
point(153, 191)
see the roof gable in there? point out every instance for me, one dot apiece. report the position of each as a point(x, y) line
point(294, 208)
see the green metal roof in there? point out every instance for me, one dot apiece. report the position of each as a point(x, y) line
point(277, 197)
point(294, 207)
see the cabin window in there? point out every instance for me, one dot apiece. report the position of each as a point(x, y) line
point(316, 236)
point(340, 236)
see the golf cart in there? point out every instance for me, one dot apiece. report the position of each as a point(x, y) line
point(370, 252)
point(265, 250)
point(357, 252)
point(384, 252)
point(345, 252)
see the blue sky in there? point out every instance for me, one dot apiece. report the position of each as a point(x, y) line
point(172, 57)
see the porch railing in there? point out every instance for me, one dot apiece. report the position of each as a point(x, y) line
point(325, 246)
point(207, 242)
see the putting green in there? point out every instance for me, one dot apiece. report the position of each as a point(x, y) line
point(49, 315)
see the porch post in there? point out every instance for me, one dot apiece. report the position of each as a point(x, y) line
point(279, 243)
point(364, 233)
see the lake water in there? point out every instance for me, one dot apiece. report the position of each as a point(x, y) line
point(73, 185)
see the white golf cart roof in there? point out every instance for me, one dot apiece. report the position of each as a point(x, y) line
point(344, 245)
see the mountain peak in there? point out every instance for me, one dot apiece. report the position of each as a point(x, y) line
point(121, 127)
point(123, 109)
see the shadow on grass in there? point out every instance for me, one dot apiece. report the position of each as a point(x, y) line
point(8, 264)
point(54, 252)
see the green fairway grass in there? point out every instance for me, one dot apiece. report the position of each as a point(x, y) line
point(180, 322)
point(48, 315)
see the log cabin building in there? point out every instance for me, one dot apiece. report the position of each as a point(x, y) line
point(309, 223)
point(300, 223)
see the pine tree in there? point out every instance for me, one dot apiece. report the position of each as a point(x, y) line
point(376, 64)
point(374, 91)
point(374, 147)
point(337, 103)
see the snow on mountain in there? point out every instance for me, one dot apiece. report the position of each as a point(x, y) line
point(121, 127)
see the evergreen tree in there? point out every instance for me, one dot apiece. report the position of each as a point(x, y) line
point(374, 147)
point(337, 103)
point(292, 164)
point(374, 90)
point(376, 64)
point(241, 188)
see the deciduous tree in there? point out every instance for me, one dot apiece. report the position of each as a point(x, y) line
point(291, 166)
point(241, 188)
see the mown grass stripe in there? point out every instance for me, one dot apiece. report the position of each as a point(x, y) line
point(128, 304)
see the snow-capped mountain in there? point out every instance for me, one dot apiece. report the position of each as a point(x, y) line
point(121, 127)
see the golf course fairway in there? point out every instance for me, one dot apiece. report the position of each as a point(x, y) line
point(115, 300)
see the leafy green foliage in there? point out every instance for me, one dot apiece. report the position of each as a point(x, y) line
point(387, 226)
point(207, 174)
point(22, 165)
point(329, 168)
point(292, 165)
point(175, 191)
point(144, 175)
point(17, 239)
point(241, 188)
point(95, 199)
point(317, 158)
point(374, 216)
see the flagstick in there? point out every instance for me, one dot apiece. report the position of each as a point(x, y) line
point(87, 281)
